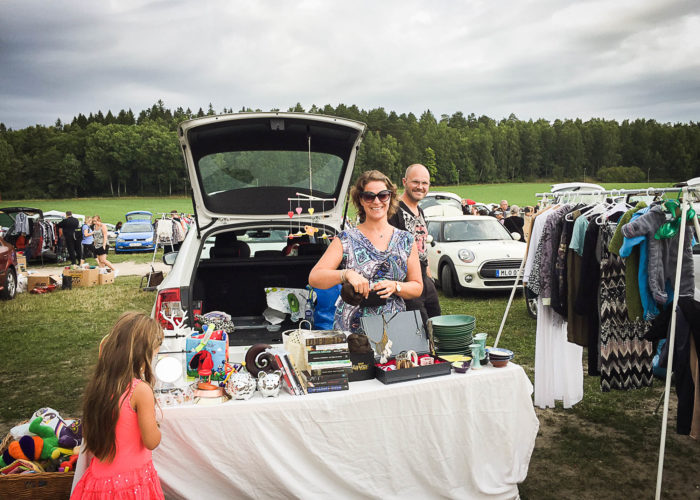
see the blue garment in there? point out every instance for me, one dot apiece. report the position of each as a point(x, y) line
point(648, 303)
point(360, 255)
point(87, 240)
point(324, 311)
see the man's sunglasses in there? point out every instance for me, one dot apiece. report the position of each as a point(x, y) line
point(369, 196)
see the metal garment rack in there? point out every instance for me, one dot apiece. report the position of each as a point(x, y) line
point(687, 194)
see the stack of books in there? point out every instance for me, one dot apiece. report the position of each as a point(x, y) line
point(328, 362)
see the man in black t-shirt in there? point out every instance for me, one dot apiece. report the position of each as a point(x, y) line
point(70, 226)
point(410, 218)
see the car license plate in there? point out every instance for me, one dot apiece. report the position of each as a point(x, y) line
point(503, 273)
point(134, 244)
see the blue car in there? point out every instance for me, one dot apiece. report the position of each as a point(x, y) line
point(137, 234)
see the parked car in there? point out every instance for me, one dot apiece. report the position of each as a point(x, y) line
point(111, 234)
point(473, 252)
point(8, 270)
point(440, 203)
point(247, 172)
point(137, 233)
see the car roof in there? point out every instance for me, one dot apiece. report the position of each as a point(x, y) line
point(444, 194)
point(449, 218)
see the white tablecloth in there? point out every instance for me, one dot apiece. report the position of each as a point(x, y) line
point(458, 436)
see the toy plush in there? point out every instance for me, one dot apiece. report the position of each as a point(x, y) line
point(40, 447)
point(69, 433)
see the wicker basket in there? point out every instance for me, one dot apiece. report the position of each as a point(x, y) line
point(38, 486)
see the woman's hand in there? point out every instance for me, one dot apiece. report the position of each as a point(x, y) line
point(359, 283)
point(385, 288)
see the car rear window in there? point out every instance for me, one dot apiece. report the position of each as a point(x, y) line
point(139, 227)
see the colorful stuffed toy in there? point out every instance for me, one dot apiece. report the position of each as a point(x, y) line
point(40, 447)
point(68, 464)
point(69, 433)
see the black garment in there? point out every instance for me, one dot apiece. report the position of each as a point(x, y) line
point(71, 230)
point(587, 297)
point(515, 223)
point(428, 303)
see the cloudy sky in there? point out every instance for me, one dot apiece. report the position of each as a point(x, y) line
point(549, 59)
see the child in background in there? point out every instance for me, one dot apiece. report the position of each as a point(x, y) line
point(119, 420)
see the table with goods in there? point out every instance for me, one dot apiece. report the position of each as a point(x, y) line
point(297, 421)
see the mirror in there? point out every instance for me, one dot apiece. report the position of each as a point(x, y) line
point(168, 370)
point(169, 258)
point(430, 240)
point(515, 235)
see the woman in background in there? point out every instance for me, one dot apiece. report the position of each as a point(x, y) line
point(87, 241)
point(101, 245)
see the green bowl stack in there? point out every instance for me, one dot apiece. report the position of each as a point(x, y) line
point(452, 333)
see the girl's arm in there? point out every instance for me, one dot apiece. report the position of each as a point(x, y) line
point(105, 236)
point(143, 403)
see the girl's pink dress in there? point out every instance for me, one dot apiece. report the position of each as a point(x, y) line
point(131, 475)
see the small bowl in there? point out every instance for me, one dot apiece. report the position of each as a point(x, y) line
point(462, 366)
point(499, 363)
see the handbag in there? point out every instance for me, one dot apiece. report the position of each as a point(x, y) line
point(404, 329)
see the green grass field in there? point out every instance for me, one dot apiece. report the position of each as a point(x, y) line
point(50, 346)
point(113, 209)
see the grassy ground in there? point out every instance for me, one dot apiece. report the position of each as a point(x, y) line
point(605, 447)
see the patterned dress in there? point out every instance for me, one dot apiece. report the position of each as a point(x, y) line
point(625, 357)
point(359, 254)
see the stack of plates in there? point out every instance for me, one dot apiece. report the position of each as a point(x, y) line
point(453, 333)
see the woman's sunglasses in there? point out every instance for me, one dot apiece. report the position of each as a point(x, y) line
point(369, 196)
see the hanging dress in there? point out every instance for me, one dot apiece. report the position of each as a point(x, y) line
point(625, 357)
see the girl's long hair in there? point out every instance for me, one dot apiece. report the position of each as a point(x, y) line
point(125, 353)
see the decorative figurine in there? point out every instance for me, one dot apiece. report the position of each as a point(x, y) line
point(269, 383)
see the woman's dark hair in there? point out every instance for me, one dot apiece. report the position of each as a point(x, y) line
point(359, 187)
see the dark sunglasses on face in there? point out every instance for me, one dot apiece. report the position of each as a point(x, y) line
point(369, 196)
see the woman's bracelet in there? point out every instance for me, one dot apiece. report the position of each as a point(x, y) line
point(343, 272)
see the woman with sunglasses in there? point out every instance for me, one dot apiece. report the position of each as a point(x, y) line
point(374, 256)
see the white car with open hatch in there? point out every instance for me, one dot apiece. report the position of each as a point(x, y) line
point(261, 182)
point(473, 252)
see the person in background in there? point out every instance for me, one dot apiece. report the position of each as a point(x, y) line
point(504, 206)
point(178, 233)
point(69, 227)
point(468, 207)
point(87, 241)
point(498, 214)
point(118, 227)
point(373, 256)
point(514, 223)
point(119, 419)
point(101, 244)
point(409, 217)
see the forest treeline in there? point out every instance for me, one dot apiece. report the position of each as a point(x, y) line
point(125, 154)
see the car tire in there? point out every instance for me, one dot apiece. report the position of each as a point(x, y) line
point(10, 290)
point(447, 281)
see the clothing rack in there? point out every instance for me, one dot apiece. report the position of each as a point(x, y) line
point(686, 194)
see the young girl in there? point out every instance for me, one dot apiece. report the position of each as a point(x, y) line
point(119, 420)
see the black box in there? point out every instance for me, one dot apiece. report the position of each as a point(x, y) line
point(434, 370)
point(362, 366)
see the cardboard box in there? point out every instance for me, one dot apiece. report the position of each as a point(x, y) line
point(35, 280)
point(105, 278)
point(83, 277)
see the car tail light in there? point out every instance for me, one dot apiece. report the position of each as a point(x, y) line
point(167, 302)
